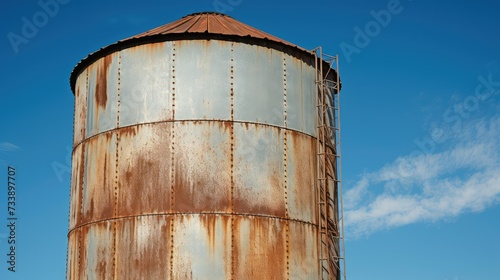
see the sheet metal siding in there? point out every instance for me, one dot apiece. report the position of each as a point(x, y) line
point(80, 117)
point(203, 80)
point(145, 79)
point(195, 160)
point(102, 98)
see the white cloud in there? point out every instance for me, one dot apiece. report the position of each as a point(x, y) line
point(464, 177)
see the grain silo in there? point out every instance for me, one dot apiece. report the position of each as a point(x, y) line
point(205, 149)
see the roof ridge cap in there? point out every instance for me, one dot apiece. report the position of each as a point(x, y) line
point(206, 13)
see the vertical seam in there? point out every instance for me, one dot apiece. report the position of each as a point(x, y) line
point(115, 211)
point(172, 165)
point(285, 170)
point(232, 156)
point(80, 199)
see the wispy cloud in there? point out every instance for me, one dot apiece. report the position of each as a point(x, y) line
point(463, 177)
point(5, 148)
point(8, 147)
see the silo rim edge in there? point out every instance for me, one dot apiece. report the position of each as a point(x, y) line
point(304, 54)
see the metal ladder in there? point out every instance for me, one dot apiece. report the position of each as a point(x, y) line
point(329, 182)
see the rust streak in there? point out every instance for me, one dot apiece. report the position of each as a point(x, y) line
point(143, 176)
point(128, 131)
point(101, 96)
point(80, 186)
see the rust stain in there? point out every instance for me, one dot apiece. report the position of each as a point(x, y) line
point(260, 251)
point(100, 249)
point(98, 190)
point(247, 125)
point(201, 185)
point(76, 186)
point(83, 128)
point(83, 233)
point(154, 48)
point(144, 169)
point(213, 222)
point(143, 247)
point(259, 179)
point(227, 125)
point(80, 109)
point(101, 269)
point(303, 248)
point(197, 191)
point(209, 222)
point(80, 186)
point(302, 175)
point(72, 255)
point(101, 96)
point(129, 131)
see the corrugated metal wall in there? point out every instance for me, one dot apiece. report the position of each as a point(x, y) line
point(194, 160)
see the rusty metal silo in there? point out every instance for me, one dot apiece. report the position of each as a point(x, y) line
point(200, 152)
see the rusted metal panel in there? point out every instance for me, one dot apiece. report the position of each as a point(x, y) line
point(259, 170)
point(301, 171)
point(300, 96)
point(202, 163)
point(82, 257)
point(295, 113)
point(202, 247)
point(143, 247)
point(145, 82)
point(99, 178)
point(98, 244)
point(258, 85)
point(259, 248)
point(102, 98)
point(144, 169)
point(303, 251)
point(72, 260)
point(80, 108)
point(309, 92)
point(90, 252)
point(78, 168)
point(203, 80)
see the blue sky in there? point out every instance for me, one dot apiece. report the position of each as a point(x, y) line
point(420, 123)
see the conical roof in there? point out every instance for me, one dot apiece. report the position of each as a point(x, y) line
point(205, 25)
point(213, 23)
